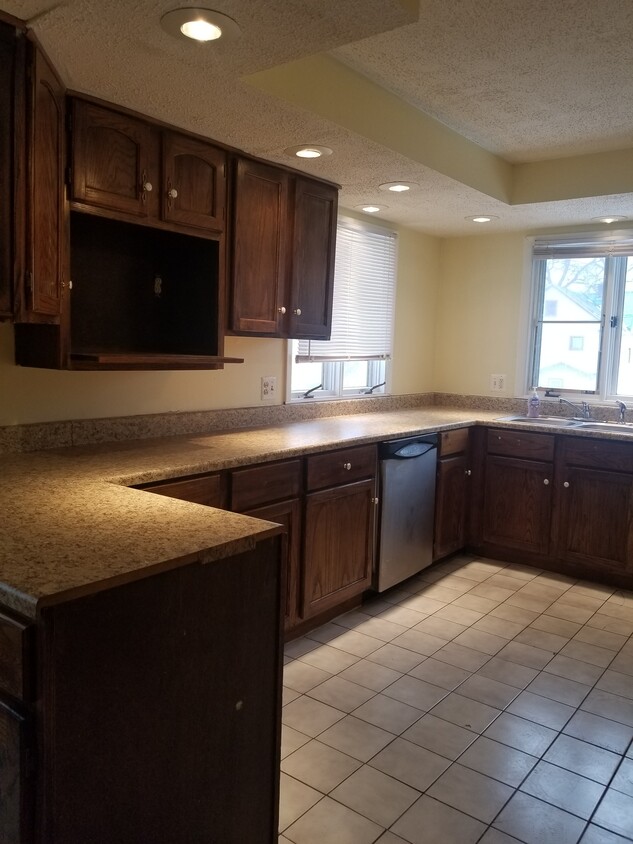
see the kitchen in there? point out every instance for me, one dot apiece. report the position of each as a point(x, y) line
point(452, 292)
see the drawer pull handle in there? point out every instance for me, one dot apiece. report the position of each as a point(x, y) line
point(566, 484)
point(347, 466)
point(546, 482)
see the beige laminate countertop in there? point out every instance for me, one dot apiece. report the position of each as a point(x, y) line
point(71, 525)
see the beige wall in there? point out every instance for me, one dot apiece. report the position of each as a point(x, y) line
point(37, 395)
point(479, 312)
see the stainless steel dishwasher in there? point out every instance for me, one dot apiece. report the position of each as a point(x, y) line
point(407, 508)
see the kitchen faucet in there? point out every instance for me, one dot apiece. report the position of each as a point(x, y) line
point(584, 411)
point(622, 407)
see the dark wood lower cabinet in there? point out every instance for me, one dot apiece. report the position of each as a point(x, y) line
point(17, 786)
point(288, 514)
point(338, 545)
point(518, 503)
point(157, 712)
point(563, 503)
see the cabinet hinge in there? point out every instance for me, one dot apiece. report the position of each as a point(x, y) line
point(69, 120)
point(28, 280)
point(69, 175)
point(613, 322)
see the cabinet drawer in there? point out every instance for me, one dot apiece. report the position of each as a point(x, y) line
point(341, 467)
point(452, 442)
point(520, 444)
point(261, 485)
point(203, 489)
point(16, 654)
point(598, 455)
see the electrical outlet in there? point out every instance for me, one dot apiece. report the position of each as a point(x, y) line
point(497, 383)
point(269, 388)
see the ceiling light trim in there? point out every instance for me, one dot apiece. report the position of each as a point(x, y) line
point(317, 150)
point(174, 21)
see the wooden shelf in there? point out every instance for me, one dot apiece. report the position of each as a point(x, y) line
point(140, 360)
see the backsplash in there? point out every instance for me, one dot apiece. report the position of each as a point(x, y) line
point(33, 437)
point(43, 435)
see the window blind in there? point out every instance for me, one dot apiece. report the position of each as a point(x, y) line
point(583, 248)
point(364, 294)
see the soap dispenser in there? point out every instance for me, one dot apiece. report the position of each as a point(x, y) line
point(534, 405)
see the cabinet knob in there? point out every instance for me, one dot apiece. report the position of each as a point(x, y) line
point(282, 310)
point(467, 472)
point(297, 311)
point(546, 482)
point(147, 187)
point(375, 500)
point(566, 484)
point(172, 193)
point(347, 466)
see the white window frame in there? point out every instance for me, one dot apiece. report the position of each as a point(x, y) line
point(610, 245)
point(379, 370)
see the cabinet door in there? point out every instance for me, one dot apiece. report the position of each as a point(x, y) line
point(451, 503)
point(16, 804)
point(46, 221)
point(259, 255)
point(8, 47)
point(596, 519)
point(517, 504)
point(338, 538)
point(193, 189)
point(288, 514)
point(112, 160)
point(314, 243)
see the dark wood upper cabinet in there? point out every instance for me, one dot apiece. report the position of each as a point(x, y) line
point(11, 79)
point(284, 238)
point(260, 248)
point(111, 158)
point(313, 250)
point(193, 188)
point(128, 166)
point(46, 229)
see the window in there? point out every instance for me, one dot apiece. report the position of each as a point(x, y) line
point(582, 317)
point(576, 344)
point(353, 362)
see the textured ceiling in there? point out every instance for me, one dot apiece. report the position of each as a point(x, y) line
point(495, 83)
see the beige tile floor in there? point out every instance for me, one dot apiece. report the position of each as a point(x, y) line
point(477, 702)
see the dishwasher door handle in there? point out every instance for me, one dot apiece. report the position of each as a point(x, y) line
point(413, 450)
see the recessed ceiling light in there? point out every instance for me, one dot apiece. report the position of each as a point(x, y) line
point(482, 218)
point(371, 209)
point(398, 187)
point(201, 25)
point(612, 218)
point(308, 151)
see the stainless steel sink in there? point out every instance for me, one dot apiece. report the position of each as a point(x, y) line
point(613, 427)
point(551, 421)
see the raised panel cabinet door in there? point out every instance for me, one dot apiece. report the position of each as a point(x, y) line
point(8, 55)
point(451, 502)
point(288, 514)
point(517, 504)
point(338, 550)
point(596, 519)
point(46, 220)
point(16, 804)
point(111, 160)
point(259, 249)
point(193, 190)
point(313, 249)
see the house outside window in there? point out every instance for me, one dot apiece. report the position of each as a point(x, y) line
point(355, 361)
point(581, 337)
